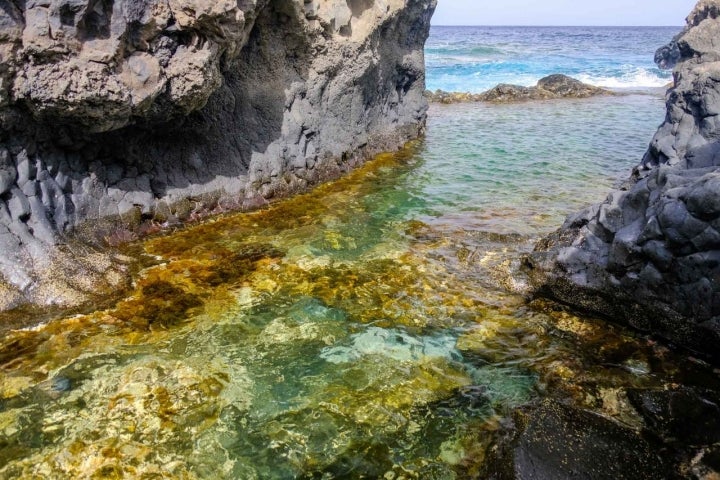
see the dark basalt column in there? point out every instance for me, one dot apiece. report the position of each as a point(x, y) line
point(118, 117)
point(649, 256)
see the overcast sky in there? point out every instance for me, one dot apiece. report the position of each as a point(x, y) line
point(562, 12)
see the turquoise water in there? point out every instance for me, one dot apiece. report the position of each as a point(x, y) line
point(523, 168)
point(475, 59)
point(372, 328)
point(369, 329)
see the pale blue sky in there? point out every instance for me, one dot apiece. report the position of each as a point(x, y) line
point(562, 12)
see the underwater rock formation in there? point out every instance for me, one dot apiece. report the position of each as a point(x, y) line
point(548, 88)
point(649, 256)
point(123, 115)
point(554, 440)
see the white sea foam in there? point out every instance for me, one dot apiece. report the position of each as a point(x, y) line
point(475, 59)
point(478, 82)
point(637, 78)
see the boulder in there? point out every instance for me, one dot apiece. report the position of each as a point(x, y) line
point(681, 415)
point(556, 441)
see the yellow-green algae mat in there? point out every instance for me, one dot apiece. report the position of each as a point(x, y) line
point(331, 335)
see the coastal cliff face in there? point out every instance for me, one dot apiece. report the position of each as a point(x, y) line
point(118, 116)
point(650, 254)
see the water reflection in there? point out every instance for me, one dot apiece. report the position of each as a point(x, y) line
point(364, 330)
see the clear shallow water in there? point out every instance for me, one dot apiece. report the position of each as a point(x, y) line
point(368, 329)
point(475, 59)
point(522, 168)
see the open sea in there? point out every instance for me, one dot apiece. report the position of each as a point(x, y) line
point(475, 59)
point(374, 327)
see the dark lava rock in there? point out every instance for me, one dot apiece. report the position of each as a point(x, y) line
point(649, 256)
point(562, 442)
point(710, 462)
point(118, 117)
point(505, 93)
point(682, 415)
point(567, 87)
point(548, 88)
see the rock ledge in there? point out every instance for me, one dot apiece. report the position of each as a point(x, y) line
point(121, 116)
point(548, 88)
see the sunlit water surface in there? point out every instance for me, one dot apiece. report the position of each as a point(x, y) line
point(474, 59)
point(368, 329)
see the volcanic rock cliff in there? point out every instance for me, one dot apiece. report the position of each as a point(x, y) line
point(650, 254)
point(119, 114)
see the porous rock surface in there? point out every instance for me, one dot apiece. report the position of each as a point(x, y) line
point(649, 255)
point(548, 88)
point(554, 440)
point(119, 114)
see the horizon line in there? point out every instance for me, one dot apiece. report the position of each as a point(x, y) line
point(566, 26)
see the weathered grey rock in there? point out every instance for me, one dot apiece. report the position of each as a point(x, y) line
point(649, 255)
point(8, 172)
point(119, 113)
point(548, 88)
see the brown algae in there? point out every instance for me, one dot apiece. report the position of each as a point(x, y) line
point(339, 331)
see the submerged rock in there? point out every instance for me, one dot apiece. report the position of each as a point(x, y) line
point(396, 345)
point(649, 256)
point(561, 442)
point(684, 415)
point(117, 118)
point(547, 88)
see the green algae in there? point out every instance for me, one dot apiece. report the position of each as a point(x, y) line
point(338, 334)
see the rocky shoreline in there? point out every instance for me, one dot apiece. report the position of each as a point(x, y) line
point(119, 118)
point(551, 87)
point(649, 256)
point(191, 109)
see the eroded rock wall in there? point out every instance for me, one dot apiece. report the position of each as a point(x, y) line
point(121, 115)
point(650, 254)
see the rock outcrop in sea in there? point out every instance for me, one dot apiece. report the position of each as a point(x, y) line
point(119, 116)
point(649, 256)
point(548, 88)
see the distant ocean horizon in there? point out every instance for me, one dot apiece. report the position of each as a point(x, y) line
point(561, 26)
point(476, 58)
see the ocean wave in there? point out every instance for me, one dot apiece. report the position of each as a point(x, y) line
point(486, 50)
point(638, 78)
point(465, 61)
point(463, 75)
point(467, 50)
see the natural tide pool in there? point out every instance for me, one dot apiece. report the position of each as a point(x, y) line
point(372, 328)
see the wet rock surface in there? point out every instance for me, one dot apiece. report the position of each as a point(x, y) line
point(548, 88)
point(121, 117)
point(649, 256)
point(667, 432)
point(562, 442)
point(685, 415)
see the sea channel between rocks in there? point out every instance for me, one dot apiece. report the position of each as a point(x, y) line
point(368, 326)
point(388, 324)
